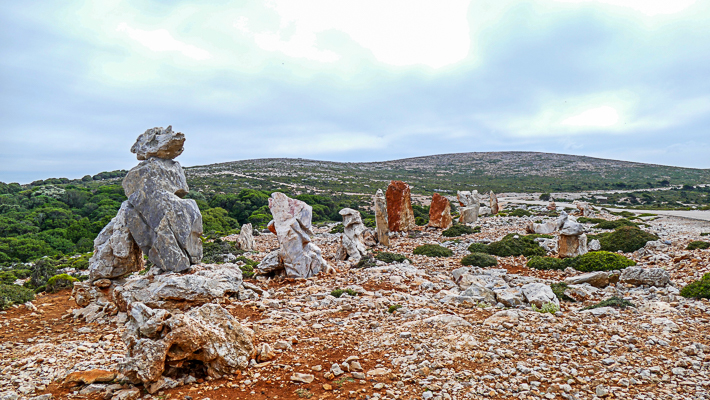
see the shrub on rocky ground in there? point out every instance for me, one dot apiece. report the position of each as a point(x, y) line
point(458, 230)
point(698, 244)
point(340, 292)
point(699, 289)
point(366, 262)
point(546, 308)
point(13, 294)
point(248, 267)
point(614, 301)
point(516, 245)
point(559, 290)
point(478, 248)
point(338, 229)
point(519, 212)
point(479, 260)
point(627, 239)
point(433, 250)
point(614, 224)
point(600, 261)
point(389, 257)
point(214, 252)
point(59, 282)
point(547, 263)
point(585, 220)
point(7, 277)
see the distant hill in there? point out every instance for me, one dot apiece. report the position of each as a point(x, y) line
point(498, 171)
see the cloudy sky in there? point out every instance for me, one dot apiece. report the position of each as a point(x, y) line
point(359, 80)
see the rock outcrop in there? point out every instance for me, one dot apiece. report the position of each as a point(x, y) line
point(115, 252)
point(381, 218)
point(352, 244)
point(638, 276)
point(400, 216)
point(245, 241)
point(440, 212)
point(297, 256)
point(469, 206)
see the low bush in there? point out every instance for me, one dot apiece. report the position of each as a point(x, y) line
point(59, 282)
point(479, 260)
point(433, 250)
point(340, 292)
point(546, 308)
point(627, 239)
point(585, 220)
point(559, 290)
point(21, 273)
point(519, 212)
point(705, 234)
point(698, 244)
point(248, 267)
point(600, 261)
point(393, 308)
point(340, 228)
point(366, 262)
point(390, 257)
point(699, 289)
point(215, 252)
point(614, 301)
point(514, 246)
point(7, 277)
point(614, 224)
point(478, 248)
point(458, 230)
point(13, 294)
point(547, 263)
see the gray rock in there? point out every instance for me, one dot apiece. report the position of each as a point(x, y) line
point(159, 142)
point(381, 218)
point(115, 252)
point(480, 293)
point(511, 297)
point(598, 279)
point(246, 238)
point(602, 312)
point(539, 294)
point(156, 174)
point(470, 206)
point(594, 245)
point(351, 241)
point(638, 276)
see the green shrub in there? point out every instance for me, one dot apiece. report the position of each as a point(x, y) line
point(21, 273)
point(512, 246)
point(705, 234)
point(13, 294)
point(366, 262)
point(433, 250)
point(59, 282)
point(699, 289)
point(614, 224)
point(614, 301)
point(393, 308)
point(7, 278)
point(545, 197)
point(248, 267)
point(627, 239)
point(340, 292)
point(213, 252)
point(43, 269)
point(340, 228)
point(548, 263)
point(600, 261)
point(546, 308)
point(479, 260)
point(559, 290)
point(519, 212)
point(458, 230)
point(625, 214)
point(390, 257)
point(585, 220)
point(698, 244)
point(370, 223)
point(478, 248)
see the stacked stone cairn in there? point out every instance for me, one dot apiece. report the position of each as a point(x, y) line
point(469, 206)
point(572, 241)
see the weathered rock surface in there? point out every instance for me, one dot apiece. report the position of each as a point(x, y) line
point(638, 276)
point(440, 212)
point(245, 241)
point(572, 245)
point(469, 206)
point(352, 244)
point(494, 203)
point(381, 218)
point(159, 142)
point(400, 216)
point(298, 257)
point(539, 294)
point(115, 252)
point(160, 342)
point(156, 174)
point(598, 279)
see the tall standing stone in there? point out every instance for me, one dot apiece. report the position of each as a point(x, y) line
point(246, 238)
point(352, 244)
point(400, 216)
point(469, 206)
point(381, 218)
point(494, 203)
point(440, 212)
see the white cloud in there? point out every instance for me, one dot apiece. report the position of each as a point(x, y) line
point(648, 7)
point(603, 116)
point(162, 40)
point(397, 32)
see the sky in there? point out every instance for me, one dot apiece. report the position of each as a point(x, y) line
point(360, 80)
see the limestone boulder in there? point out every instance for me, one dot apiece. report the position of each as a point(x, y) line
point(159, 142)
point(245, 241)
point(539, 294)
point(572, 245)
point(597, 279)
point(440, 212)
point(381, 218)
point(156, 174)
point(400, 215)
point(115, 252)
point(206, 337)
point(638, 276)
point(510, 297)
point(352, 242)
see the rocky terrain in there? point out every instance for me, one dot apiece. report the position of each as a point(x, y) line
point(403, 330)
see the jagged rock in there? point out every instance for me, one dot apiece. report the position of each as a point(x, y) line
point(159, 142)
point(156, 174)
point(209, 283)
point(480, 293)
point(494, 203)
point(351, 241)
point(381, 218)
point(469, 206)
point(400, 215)
point(208, 334)
point(539, 294)
point(510, 297)
point(298, 257)
point(440, 212)
point(127, 394)
point(115, 252)
point(543, 229)
point(572, 245)
point(246, 238)
point(581, 292)
point(598, 279)
point(265, 353)
point(638, 276)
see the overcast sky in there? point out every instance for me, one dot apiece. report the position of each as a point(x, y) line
point(360, 80)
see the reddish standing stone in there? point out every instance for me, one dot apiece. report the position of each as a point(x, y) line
point(440, 212)
point(400, 216)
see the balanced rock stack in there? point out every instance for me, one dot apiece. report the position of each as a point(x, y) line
point(469, 206)
point(440, 212)
point(155, 218)
point(572, 241)
point(352, 244)
point(400, 215)
point(381, 218)
point(297, 256)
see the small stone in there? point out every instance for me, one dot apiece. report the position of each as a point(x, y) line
point(303, 378)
